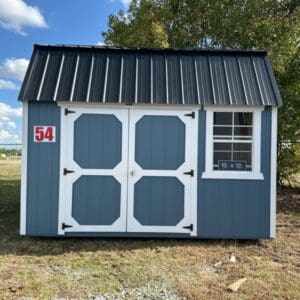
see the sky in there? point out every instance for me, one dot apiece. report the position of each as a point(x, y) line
point(24, 23)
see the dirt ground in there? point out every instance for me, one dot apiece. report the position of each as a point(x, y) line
point(144, 268)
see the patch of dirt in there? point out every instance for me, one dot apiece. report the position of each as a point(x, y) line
point(288, 201)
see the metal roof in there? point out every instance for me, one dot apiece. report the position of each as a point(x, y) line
point(154, 76)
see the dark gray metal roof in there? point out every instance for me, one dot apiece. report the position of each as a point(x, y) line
point(158, 76)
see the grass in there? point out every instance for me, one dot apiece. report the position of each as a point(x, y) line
point(81, 268)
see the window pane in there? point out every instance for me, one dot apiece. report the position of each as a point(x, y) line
point(243, 156)
point(223, 146)
point(243, 131)
point(223, 118)
point(221, 156)
point(242, 147)
point(223, 131)
point(242, 118)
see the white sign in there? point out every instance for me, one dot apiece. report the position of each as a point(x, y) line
point(44, 134)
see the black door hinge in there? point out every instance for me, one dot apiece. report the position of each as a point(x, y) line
point(192, 115)
point(64, 226)
point(191, 173)
point(66, 171)
point(190, 227)
point(67, 111)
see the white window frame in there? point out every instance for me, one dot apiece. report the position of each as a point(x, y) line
point(255, 173)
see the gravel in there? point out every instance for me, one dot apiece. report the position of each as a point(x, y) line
point(148, 291)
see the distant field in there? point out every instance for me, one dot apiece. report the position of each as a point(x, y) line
point(132, 268)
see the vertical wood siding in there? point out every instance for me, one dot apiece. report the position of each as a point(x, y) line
point(226, 208)
point(96, 200)
point(97, 141)
point(160, 142)
point(235, 208)
point(42, 172)
point(159, 201)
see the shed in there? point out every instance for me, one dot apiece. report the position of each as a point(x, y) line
point(130, 142)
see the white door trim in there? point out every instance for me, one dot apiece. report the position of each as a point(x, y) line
point(66, 181)
point(190, 208)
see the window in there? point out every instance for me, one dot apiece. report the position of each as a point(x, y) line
point(232, 149)
point(232, 141)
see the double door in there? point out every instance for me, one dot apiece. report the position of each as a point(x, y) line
point(128, 170)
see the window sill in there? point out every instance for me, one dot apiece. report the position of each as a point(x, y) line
point(232, 175)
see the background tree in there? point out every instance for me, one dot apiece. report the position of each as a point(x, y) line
point(250, 24)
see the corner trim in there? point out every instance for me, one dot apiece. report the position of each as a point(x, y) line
point(273, 174)
point(24, 169)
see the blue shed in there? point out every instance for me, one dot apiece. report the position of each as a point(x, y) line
point(129, 142)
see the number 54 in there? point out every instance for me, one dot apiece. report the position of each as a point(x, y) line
point(44, 133)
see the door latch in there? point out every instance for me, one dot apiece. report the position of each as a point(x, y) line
point(190, 227)
point(64, 226)
point(192, 115)
point(191, 173)
point(66, 171)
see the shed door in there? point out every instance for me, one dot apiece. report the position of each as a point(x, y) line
point(162, 185)
point(93, 188)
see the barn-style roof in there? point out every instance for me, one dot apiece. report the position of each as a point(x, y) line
point(154, 76)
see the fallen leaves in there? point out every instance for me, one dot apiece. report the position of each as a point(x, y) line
point(236, 285)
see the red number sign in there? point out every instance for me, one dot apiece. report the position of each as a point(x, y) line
point(44, 134)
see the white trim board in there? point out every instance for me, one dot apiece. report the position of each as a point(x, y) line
point(62, 160)
point(136, 172)
point(273, 170)
point(119, 172)
point(24, 169)
point(118, 105)
point(126, 222)
point(164, 106)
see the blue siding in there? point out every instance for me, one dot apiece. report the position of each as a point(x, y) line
point(96, 200)
point(160, 142)
point(226, 208)
point(235, 208)
point(159, 201)
point(97, 141)
point(42, 172)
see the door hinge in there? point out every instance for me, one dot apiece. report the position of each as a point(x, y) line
point(192, 115)
point(191, 173)
point(190, 227)
point(64, 226)
point(67, 111)
point(66, 171)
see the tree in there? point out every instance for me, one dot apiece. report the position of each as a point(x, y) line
point(250, 24)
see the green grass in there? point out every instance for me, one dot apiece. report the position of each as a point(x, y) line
point(78, 268)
